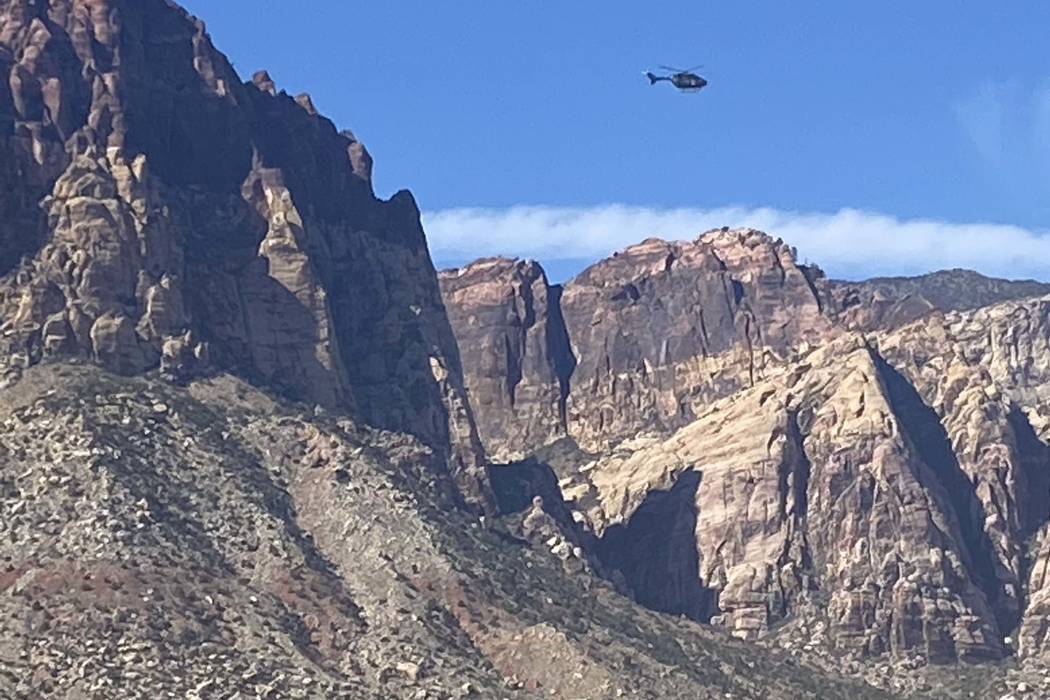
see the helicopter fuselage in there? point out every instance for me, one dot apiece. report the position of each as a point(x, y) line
point(688, 81)
point(685, 81)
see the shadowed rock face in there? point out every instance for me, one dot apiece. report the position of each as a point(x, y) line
point(158, 212)
point(985, 374)
point(512, 336)
point(907, 486)
point(655, 551)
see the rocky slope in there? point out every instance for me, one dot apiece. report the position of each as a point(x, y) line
point(161, 213)
point(213, 542)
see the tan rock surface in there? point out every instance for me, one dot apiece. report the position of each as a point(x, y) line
point(985, 375)
point(809, 488)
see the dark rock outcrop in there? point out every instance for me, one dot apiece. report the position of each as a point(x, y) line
point(661, 329)
point(891, 302)
point(157, 212)
point(512, 337)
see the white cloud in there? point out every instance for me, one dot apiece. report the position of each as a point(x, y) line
point(848, 244)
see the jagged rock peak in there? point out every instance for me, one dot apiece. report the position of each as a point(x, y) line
point(744, 244)
point(640, 339)
point(305, 101)
point(736, 250)
point(495, 266)
point(264, 82)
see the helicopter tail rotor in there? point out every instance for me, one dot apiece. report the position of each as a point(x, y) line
point(652, 78)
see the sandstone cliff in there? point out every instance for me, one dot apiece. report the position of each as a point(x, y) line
point(984, 373)
point(513, 339)
point(654, 333)
point(663, 328)
point(808, 486)
point(754, 461)
point(158, 212)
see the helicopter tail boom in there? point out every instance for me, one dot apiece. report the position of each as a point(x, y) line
point(654, 79)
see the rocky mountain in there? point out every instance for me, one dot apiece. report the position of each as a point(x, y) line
point(165, 214)
point(648, 337)
point(894, 301)
point(237, 456)
point(252, 445)
point(872, 456)
point(642, 339)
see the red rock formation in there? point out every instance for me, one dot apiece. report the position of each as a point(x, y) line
point(158, 212)
point(902, 478)
point(512, 337)
point(656, 332)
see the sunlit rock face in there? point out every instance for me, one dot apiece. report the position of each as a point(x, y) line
point(810, 488)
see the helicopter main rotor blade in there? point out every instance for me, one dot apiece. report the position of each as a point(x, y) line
point(682, 70)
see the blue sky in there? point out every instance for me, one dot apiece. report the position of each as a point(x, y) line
point(934, 112)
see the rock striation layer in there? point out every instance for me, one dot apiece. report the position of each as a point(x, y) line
point(159, 213)
point(663, 328)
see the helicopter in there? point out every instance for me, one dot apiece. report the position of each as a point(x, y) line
point(683, 79)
